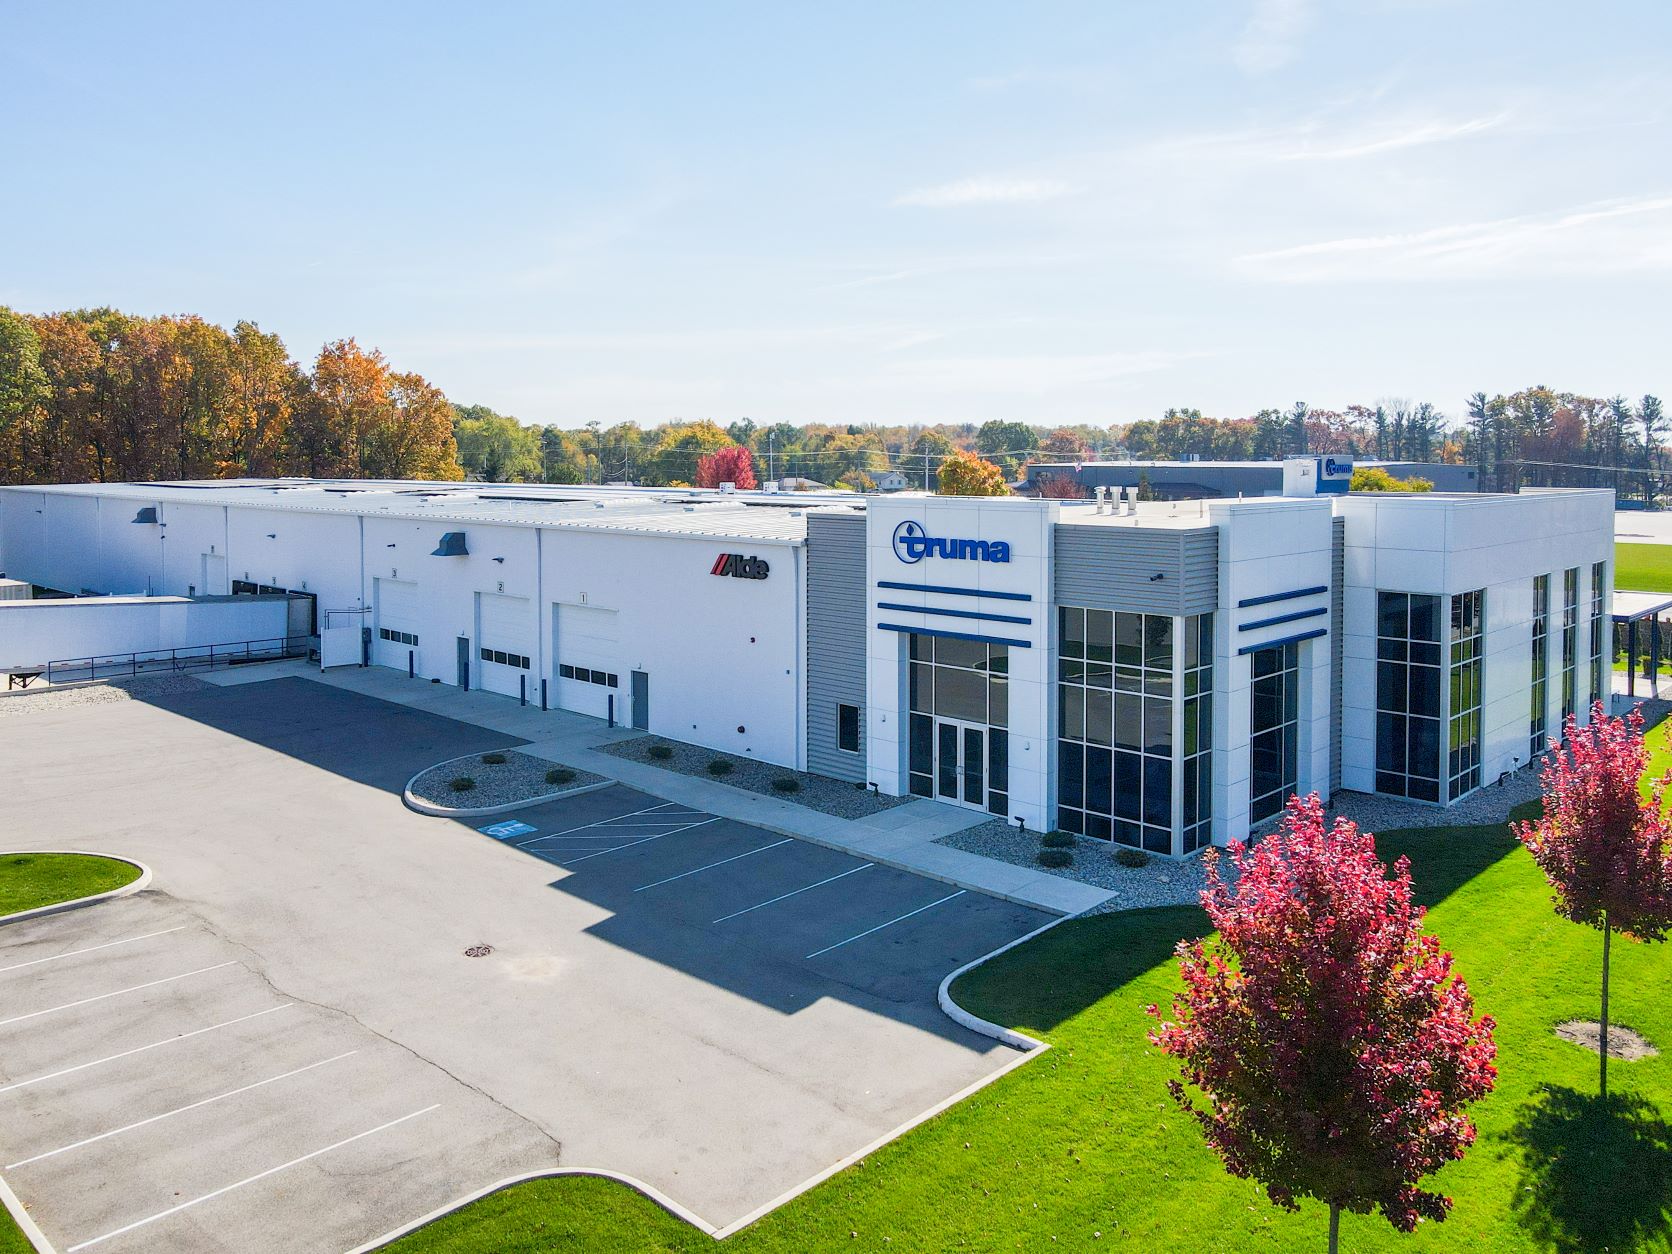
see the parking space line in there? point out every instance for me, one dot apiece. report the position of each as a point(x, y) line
point(879, 927)
point(722, 862)
point(643, 840)
point(86, 1001)
point(261, 1175)
point(140, 1049)
point(795, 892)
point(613, 821)
point(18, 966)
point(178, 1110)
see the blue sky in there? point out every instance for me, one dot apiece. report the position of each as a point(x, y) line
point(868, 212)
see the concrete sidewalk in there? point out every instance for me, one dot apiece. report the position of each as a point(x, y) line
point(902, 837)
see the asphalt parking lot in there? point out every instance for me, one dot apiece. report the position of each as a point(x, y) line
point(284, 1034)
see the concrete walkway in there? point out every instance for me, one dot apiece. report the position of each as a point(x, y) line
point(902, 837)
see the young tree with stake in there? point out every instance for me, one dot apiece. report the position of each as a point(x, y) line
point(1330, 1044)
point(1604, 847)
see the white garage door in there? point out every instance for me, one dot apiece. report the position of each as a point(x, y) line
point(396, 632)
point(588, 663)
point(505, 644)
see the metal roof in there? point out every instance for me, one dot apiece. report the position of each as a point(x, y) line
point(709, 514)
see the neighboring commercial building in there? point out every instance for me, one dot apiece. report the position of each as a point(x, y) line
point(1163, 675)
point(1197, 480)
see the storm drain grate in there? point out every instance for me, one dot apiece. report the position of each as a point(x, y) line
point(478, 951)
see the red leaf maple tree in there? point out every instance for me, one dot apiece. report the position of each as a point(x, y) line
point(1331, 1046)
point(1605, 848)
point(733, 464)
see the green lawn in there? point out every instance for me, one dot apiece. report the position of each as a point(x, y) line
point(1084, 1141)
point(29, 880)
point(1643, 567)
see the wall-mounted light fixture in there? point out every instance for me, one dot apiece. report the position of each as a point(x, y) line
point(500, 560)
point(272, 535)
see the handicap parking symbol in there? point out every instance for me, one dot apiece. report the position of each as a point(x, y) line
point(511, 827)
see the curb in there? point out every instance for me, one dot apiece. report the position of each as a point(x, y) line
point(638, 1186)
point(26, 1224)
point(986, 1027)
point(415, 803)
point(143, 881)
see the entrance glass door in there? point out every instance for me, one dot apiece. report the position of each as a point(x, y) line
point(961, 763)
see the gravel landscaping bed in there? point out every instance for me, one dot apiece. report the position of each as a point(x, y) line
point(1490, 804)
point(41, 700)
point(816, 792)
point(518, 778)
point(1161, 883)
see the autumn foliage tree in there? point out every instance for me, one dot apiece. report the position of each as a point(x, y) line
point(965, 474)
point(1328, 1051)
point(1605, 848)
point(734, 465)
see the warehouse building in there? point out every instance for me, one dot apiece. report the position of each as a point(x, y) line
point(1162, 675)
point(1196, 479)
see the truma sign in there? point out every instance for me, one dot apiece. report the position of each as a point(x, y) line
point(912, 544)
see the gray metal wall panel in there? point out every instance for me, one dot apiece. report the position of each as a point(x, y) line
point(1114, 568)
point(835, 640)
point(1337, 646)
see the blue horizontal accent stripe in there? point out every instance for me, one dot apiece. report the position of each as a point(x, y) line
point(1276, 644)
point(1284, 618)
point(929, 609)
point(954, 592)
point(1281, 596)
point(955, 635)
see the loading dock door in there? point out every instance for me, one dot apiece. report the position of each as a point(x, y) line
point(396, 632)
point(504, 643)
point(587, 660)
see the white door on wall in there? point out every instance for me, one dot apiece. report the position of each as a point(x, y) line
point(505, 644)
point(212, 581)
point(395, 633)
point(587, 661)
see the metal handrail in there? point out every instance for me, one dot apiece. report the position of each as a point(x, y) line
point(204, 657)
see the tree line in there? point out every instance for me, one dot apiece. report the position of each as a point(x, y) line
point(101, 395)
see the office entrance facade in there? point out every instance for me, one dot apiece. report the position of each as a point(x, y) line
point(959, 746)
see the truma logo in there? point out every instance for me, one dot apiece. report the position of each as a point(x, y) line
point(740, 567)
point(912, 544)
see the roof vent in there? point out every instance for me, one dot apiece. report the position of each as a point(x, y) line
point(147, 514)
point(452, 545)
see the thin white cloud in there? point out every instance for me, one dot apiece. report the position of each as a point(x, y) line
point(1372, 141)
point(1321, 140)
point(1608, 237)
point(985, 191)
point(1270, 39)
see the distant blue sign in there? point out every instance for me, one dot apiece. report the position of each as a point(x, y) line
point(1335, 474)
point(501, 831)
point(912, 544)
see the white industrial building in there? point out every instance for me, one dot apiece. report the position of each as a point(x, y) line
point(1162, 675)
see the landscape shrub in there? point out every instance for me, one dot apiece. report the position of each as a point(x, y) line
point(719, 766)
point(1133, 858)
point(1055, 857)
point(786, 784)
point(1057, 840)
point(661, 752)
point(559, 775)
point(494, 759)
point(461, 783)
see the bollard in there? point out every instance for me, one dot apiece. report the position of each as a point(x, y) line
point(411, 667)
point(522, 689)
point(612, 709)
point(542, 695)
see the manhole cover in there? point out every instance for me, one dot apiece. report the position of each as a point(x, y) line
point(478, 951)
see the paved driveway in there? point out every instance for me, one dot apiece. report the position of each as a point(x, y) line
point(284, 1032)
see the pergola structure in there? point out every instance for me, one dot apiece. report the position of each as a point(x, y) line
point(1631, 608)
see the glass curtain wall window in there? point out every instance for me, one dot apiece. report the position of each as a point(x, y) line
point(1599, 676)
point(1570, 643)
point(1116, 696)
point(1408, 695)
point(1538, 736)
point(959, 745)
point(1463, 763)
point(1197, 751)
point(1273, 741)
